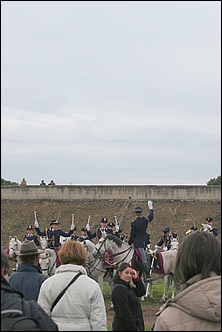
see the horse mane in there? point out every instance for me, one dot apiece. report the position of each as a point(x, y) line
point(115, 239)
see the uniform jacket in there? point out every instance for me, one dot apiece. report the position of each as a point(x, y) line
point(128, 312)
point(196, 308)
point(27, 280)
point(53, 236)
point(11, 299)
point(138, 234)
point(31, 237)
point(81, 308)
point(98, 233)
point(166, 240)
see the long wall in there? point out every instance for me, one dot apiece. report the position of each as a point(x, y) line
point(92, 192)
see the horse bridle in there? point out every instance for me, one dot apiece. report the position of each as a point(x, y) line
point(47, 269)
point(100, 255)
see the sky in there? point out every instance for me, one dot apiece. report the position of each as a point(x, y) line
point(111, 92)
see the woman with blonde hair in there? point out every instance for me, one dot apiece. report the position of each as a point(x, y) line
point(81, 307)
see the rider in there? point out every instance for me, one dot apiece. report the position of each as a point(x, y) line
point(99, 231)
point(209, 227)
point(74, 236)
point(29, 236)
point(166, 239)
point(85, 235)
point(138, 236)
point(53, 236)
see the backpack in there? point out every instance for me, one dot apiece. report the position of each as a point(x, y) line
point(16, 320)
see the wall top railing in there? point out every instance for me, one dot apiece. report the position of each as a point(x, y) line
point(93, 192)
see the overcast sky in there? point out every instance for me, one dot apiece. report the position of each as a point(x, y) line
point(111, 92)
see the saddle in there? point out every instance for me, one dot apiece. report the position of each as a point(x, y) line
point(157, 264)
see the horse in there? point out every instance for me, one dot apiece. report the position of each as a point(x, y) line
point(168, 279)
point(95, 267)
point(47, 262)
point(14, 245)
point(123, 252)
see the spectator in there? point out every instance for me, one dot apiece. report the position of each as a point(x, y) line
point(53, 236)
point(138, 236)
point(128, 312)
point(51, 183)
point(29, 277)
point(197, 276)
point(29, 236)
point(166, 239)
point(12, 301)
point(208, 227)
point(42, 183)
point(23, 182)
point(82, 306)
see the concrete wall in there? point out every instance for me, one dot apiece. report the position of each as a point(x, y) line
point(90, 192)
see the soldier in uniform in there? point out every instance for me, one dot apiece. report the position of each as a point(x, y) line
point(85, 235)
point(29, 236)
point(112, 229)
point(209, 227)
point(138, 236)
point(166, 239)
point(98, 233)
point(122, 236)
point(53, 236)
point(74, 236)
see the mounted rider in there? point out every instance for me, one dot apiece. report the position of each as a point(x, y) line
point(138, 236)
point(99, 231)
point(166, 238)
point(30, 236)
point(53, 236)
point(208, 227)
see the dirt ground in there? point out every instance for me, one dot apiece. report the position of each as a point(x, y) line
point(16, 215)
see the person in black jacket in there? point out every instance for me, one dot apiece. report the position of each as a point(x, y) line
point(138, 236)
point(29, 278)
point(127, 289)
point(12, 300)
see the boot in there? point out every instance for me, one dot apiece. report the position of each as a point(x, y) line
point(146, 267)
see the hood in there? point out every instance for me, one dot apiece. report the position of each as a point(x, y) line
point(71, 268)
point(206, 299)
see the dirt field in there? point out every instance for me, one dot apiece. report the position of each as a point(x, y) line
point(16, 215)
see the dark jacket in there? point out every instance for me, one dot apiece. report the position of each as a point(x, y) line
point(128, 312)
point(27, 280)
point(138, 235)
point(11, 299)
point(31, 237)
point(53, 236)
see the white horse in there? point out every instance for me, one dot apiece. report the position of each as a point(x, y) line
point(168, 279)
point(47, 262)
point(95, 267)
point(14, 245)
point(123, 252)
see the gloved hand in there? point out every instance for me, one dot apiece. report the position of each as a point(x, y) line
point(156, 246)
point(72, 227)
point(150, 205)
point(117, 228)
point(164, 248)
point(36, 224)
point(87, 227)
point(209, 227)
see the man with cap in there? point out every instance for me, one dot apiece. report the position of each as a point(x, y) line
point(29, 236)
point(29, 278)
point(85, 235)
point(53, 236)
point(99, 231)
point(112, 229)
point(166, 239)
point(74, 236)
point(208, 227)
point(138, 236)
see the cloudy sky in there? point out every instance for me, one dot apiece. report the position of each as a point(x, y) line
point(111, 92)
